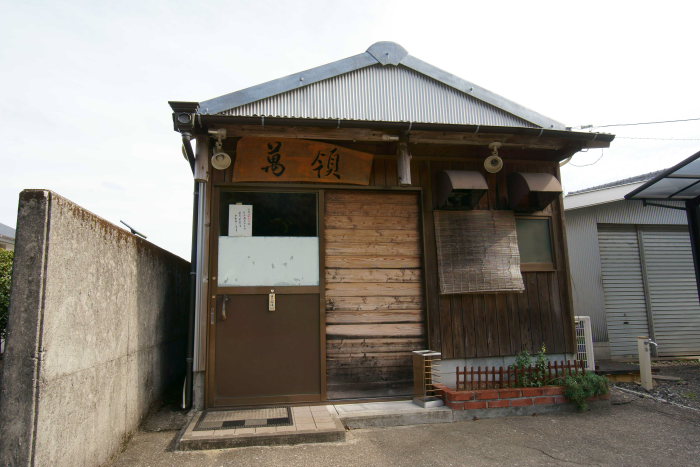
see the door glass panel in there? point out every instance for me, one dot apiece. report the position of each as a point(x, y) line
point(268, 239)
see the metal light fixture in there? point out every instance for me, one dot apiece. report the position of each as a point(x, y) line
point(220, 160)
point(493, 163)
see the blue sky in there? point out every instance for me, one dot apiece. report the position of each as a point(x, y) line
point(84, 84)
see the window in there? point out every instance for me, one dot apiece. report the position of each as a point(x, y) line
point(268, 239)
point(535, 243)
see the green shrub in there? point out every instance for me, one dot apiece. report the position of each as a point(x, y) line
point(578, 388)
point(6, 258)
point(523, 361)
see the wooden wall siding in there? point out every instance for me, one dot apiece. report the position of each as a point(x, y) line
point(501, 324)
point(374, 292)
point(459, 325)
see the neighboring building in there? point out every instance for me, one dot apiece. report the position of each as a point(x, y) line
point(352, 213)
point(632, 270)
point(7, 237)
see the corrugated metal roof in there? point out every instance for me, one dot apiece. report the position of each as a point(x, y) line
point(624, 181)
point(384, 83)
point(381, 93)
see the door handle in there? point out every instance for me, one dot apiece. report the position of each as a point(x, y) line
point(223, 308)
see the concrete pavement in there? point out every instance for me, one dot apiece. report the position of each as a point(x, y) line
point(638, 432)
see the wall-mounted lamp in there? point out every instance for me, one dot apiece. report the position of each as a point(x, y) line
point(220, 160)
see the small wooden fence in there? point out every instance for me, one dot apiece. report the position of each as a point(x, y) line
point(494, 378)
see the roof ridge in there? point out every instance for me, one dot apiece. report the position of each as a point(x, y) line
point(383, 53)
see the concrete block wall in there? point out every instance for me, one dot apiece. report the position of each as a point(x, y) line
point(97, 331)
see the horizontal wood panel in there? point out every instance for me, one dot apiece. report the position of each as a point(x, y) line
point(364, 262)
point(374, 292)
point(372, 210)
point(373, 289)
point(373, 275)
point(375, 330)
point(371, 360)
point(388, 316)
point(374, 303)
point(371, 197)
point(339, 347)
point(361, 222)
point(371, 235)
point(380, 249)
point(382, 373)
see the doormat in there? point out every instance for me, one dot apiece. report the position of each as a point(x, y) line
point(244, 418)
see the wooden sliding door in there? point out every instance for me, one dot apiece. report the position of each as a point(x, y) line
point(374, 292)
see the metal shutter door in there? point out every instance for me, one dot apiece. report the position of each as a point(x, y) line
point(672, 290)
point(623, 286)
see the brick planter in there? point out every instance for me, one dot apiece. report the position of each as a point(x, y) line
point(484, 403)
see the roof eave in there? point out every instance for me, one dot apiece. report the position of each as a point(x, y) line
point(582, 139)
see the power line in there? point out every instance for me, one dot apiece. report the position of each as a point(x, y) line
point(658, 139)
point(602, 153)
point(583, 127)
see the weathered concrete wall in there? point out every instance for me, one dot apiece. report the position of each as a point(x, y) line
point(96, 334)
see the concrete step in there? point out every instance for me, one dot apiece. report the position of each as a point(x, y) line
point(395, 413)
point(311, 424)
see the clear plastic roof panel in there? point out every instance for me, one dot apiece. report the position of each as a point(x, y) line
point(665, 188)
point(692, 169)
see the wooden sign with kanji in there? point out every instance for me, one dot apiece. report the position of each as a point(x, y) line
point(298, 160)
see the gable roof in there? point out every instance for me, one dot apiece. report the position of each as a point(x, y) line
point(384, 83)
point(605, 193)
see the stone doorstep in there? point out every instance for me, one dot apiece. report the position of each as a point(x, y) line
point(331, 430)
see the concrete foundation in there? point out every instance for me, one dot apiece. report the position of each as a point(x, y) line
point(98, 320)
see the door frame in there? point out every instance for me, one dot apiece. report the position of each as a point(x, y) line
point(215, 291)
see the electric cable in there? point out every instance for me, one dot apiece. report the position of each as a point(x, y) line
point(602, 153)
point(640, 123)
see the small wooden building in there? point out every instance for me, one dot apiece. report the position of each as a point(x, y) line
point(352, 213)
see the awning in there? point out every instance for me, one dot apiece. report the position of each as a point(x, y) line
point(460, 189)
point(679, 183)
point(532, 191)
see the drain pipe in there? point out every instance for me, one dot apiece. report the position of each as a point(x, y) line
point(187, 396)
point(187, 402)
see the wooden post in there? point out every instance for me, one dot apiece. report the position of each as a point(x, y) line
point(201, 161)
point(403, 164)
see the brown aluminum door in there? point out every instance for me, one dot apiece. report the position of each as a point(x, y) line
point(267, 356)
point(261, 356)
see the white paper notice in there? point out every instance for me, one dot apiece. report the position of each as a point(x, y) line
point(240, 220)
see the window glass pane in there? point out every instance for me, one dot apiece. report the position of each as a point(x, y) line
point(534, 240)
point(268, 239)
point(274, 214)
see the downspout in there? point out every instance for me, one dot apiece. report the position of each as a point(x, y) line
point(187, 400)
point(187, 403)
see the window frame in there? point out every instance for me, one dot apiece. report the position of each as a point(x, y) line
point(543, 266)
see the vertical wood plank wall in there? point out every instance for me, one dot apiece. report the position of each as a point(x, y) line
point(374, 292)
point(488, 325)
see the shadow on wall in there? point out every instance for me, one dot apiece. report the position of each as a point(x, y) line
point(96, 335)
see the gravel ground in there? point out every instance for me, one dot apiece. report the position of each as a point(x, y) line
point(686, 391)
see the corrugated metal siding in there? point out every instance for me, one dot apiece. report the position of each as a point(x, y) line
point(623, 287)
point(672, 290)
point(584, 256)
point(381, 93)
